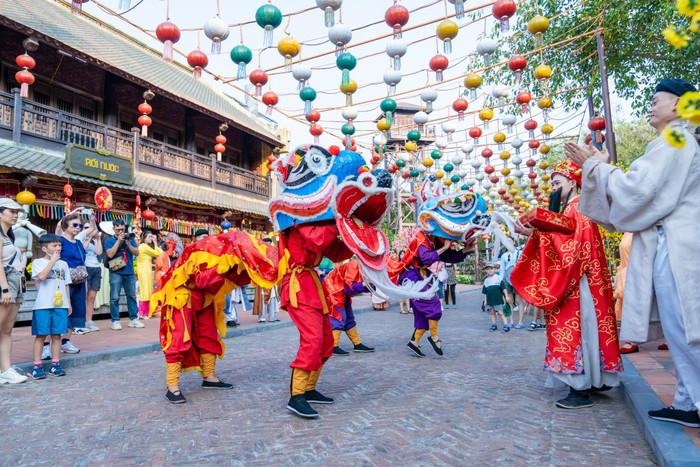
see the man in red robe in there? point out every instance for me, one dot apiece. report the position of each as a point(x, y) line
point(304, 299)
point(566, 274)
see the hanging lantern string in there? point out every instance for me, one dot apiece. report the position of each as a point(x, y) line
point(167, 10)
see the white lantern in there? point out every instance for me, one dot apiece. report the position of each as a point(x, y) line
point(441, 143)
point(396, 49)
point(516, 143)
point(457, 159)
point(379, 139)
point(216, 30)
point(349, 114)
point(302, 73)
point(448, 127)
point(500, 92)
point(467, 148)
point(486, 47)
point(429, 95)
point(509, 120)
point(476, 163)
point(391, 79)
point(329, 8)
point(340, 35)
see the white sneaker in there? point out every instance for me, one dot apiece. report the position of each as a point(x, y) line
point(81, 331)
point(143, 317)
point(12, 376)
point(116, 326)
point(261, 320)
point(68, 347)
point(46, 352)
point(135, 323)
point(92, 326)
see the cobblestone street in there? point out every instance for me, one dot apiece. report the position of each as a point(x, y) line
point(482, 403)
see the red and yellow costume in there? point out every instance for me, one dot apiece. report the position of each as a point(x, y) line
point(191, 297)
point(304, 299)
point(548, 275)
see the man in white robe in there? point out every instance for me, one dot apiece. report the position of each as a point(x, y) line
point(658, 200)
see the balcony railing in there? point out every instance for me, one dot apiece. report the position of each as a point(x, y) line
point(52, 125)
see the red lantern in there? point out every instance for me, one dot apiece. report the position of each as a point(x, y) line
point(532, 175)
point(270, 99)
point(24, 78)
point(411, 199)
point(144, 120)
point(391, 169)
point(589, 139)
point(439, 63)
point(68, 191)
point(313, 116)
point(494, 178)
point(534, 185)
point(459, 106)
point(77, 6)
point(501, 191)
point(530, 163)
point(221, 139)
point(530, 126)
point(534, 144)
point(523, 98)
point(259, 79)
point(334, 150)
point(396, 17)
point(475, 132)
point(25, 61)
point(489, 169)
point(316, 130)
point(405, 174)
point(597, 125)
point(502, 10)
point(219, 147)
point(517, 64)
point(168, 34)
point(486, 153)
point(271, 159)
point(197, 60)
point(148, 214)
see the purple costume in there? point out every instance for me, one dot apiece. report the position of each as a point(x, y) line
point(424, 310)
point(348, 317)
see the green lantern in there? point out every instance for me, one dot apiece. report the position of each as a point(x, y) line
point(268, 17)
point(414, 173)
point(346, 62)
point(388, 106)
point(308, 95)
point(448, 167)
point(465, 187)
point(348, 131)
point(400, 163)
point(413, 135)
point(455, 178)
point(436, 154)
point(241, 56)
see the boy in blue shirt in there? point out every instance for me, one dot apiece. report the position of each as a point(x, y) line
point(52, 304)
point(493, 296)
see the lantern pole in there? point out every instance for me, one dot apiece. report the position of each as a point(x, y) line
point(609, 133)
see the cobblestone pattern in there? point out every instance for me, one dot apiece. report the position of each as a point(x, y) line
point(483, 403)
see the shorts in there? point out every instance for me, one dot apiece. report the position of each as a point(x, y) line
point(509, 288)
point(14, 280)
point(494, 307)
point(94, 278)
point(47, 321)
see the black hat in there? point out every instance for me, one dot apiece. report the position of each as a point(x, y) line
point(201, 232)
point(675, 86)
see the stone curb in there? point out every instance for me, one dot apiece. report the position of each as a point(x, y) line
point(72, 361)
point(670, 443)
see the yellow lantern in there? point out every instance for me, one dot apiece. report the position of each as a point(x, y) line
point(544, 149)
point(447, 182)
point(518, 198)
point(411, 146)
point(446, 31)
point(498, 137)
point(428, 162)
point(543, 72)
point(26, 198)
point(472, 82)
point(545, 177)
point(505, 171)
point(383, 125)
point(547, 129)
point(544, 103)
point(289, 48)
point(544, 165)
point(505, 155)
point(439, 174)
point(522, 203)
point(485, 115)
point(513, 191)
point(349, 89)
point(509, 181)
point(538, 26)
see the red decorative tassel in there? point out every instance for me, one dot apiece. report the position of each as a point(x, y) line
point(24, 90)
point(144, 130)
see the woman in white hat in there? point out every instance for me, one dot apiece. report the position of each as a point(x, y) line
point(12, 286)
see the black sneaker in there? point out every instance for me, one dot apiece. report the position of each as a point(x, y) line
point(231, 324)
point(437, 345)
point(175, 398)
point(603, 388)
point(341, 352)
point(216, 385)
point(363, 348)
point(575, 400)
point(532, 327)
point(299, 405)
point(315, 397)
point(670, 414)
point(415, 349)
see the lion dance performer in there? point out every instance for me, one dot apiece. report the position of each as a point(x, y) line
point(566, 274)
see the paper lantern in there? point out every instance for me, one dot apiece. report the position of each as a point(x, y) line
point(24, 77)
point(241, 56)
point(26, 198)
point(446, 31)
point(428, 95)
point(103, 199)
point(439, 63)
point(168, 34)
point(523, 98)
point(329, 8)
point(502, 11)
point(316, 130)
point(348, 90)
point(308, 95)
point(270, 99)
point(346, 62)
point(472, 82)
point(302, 73)
point(313, 116)
point(268, 17)
point(288, 47)
point(391, 79)
point(396, 49)
point(148, 214)
point(459, 8)
point(517, 64)
point(396, 17)
point(144, 120)
point(217, 31)
point(340, 35)
point(197, 60)
point(259, 79)
point(460, 106)
point(596, 125)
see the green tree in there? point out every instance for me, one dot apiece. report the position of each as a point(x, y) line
point(632, 139)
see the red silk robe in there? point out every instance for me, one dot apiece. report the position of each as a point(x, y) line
point(547, 275)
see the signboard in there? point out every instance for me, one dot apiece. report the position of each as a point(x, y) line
point(99, 164)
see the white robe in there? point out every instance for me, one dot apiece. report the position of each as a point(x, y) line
point(661, 188)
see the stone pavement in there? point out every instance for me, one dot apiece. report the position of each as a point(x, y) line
point(483, 403)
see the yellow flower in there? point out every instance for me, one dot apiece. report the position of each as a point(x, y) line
point(688, 7)
point(689, 107)
point(695, 23)
point(673, 137)
point(676, 39)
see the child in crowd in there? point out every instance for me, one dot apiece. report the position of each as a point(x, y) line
point(52, 305)
point(493, 296)
point(536, 322)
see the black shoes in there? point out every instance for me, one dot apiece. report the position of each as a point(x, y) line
point(363, 348)
point(603, 388)
point(670, 414)
point(216, 385)
point(415, 349)
point(300, 406)
point(175, 397)
point(315, 397)
point(340, 352)
point(231, 324)
point(437, 345)
point(575, 400)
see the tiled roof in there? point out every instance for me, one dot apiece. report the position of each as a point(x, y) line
point(27, 159)
point(112, 49)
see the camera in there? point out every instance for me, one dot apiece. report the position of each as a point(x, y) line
point(129, 236)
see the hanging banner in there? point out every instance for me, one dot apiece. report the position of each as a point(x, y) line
point(99, 164)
